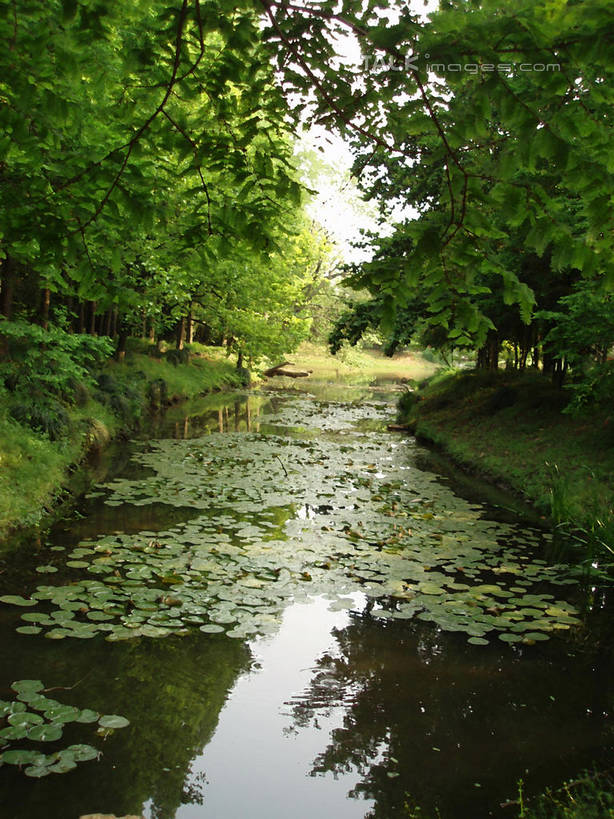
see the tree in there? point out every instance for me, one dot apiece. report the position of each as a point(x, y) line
point(507, 114)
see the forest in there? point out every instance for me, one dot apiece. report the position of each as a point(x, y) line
point(162, 238)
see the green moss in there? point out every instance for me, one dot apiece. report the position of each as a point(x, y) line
point(34, 469)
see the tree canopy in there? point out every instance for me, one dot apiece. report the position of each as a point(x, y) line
point(487, 128)
point(147, 179)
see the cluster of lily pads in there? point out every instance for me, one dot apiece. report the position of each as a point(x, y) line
point(281, 515)
point(34, 717)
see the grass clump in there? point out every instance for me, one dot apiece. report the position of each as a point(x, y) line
point(590, 796)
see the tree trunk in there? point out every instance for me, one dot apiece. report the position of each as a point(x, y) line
point(190, 329)
point(120, 352)
point(488, 355)
point(82, 317)
point(8, 287)
point(114, 322)
point(108, 318)
point(181, 333)
point(46, 299)
point(92, 318)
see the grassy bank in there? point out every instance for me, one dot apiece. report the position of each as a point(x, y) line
point(360, 364)
point(35, 465)
point(511, 428)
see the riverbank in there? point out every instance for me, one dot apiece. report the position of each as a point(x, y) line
point(36, 467)
point(511, 429)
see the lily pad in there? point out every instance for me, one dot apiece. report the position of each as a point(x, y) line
point(16, 600)
point(31, 686)
point(21, 757)
point(87, 716)
point(45, 733)
point(83, 753)
point(37, 771)
point(113, 721)
point(24, 719)
point(510, 638)
point(62, 714)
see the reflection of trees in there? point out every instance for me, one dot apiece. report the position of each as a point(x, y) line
point(427, 716)
point(171, 690)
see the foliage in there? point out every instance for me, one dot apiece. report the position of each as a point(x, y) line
point(582, 334)
point(147, 181)
point(589, 796)
point(483, 135)
point(36, 361)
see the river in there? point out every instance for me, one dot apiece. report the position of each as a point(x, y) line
point(299, 614)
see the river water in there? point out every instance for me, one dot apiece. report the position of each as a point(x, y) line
point(300, 616)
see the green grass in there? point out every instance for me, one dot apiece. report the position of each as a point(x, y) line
point(511, 428)
point(590, 796)
point(34, 469)
point(360, 364)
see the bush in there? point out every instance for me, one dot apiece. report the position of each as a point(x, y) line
point(49, 361)
point(49, 417)
point(176, 357)
point(123, 399)
point(406, 402)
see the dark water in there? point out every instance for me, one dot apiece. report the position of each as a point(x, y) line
point(336, 714)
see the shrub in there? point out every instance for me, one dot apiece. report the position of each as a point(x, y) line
point(49, 361)
point(49, 417)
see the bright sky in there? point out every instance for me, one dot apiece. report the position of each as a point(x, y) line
point(337, 207)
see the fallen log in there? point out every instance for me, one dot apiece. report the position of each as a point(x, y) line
point(273, 370)
point(398, 427)
point(294, 373)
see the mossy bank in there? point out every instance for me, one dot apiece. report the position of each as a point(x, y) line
point(513, 429)
point(38, 455)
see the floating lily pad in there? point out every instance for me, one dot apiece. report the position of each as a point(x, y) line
point(83, 753)
point(21, 757)
point(45, 733)
point(16, 600)
point(87, 715)
point(62, 714)
point(536, 636)
point(24, 719)
point(65, 762)
point(37, 771)
point(27, 686)
point(14, 732)
point(113, 721)
point(510, 638)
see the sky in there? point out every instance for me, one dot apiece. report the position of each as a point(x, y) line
point(336, 207)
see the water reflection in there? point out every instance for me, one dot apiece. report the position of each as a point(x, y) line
point(256, 765)
point(171, 690)
point(429, 721)
point(337, 715)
